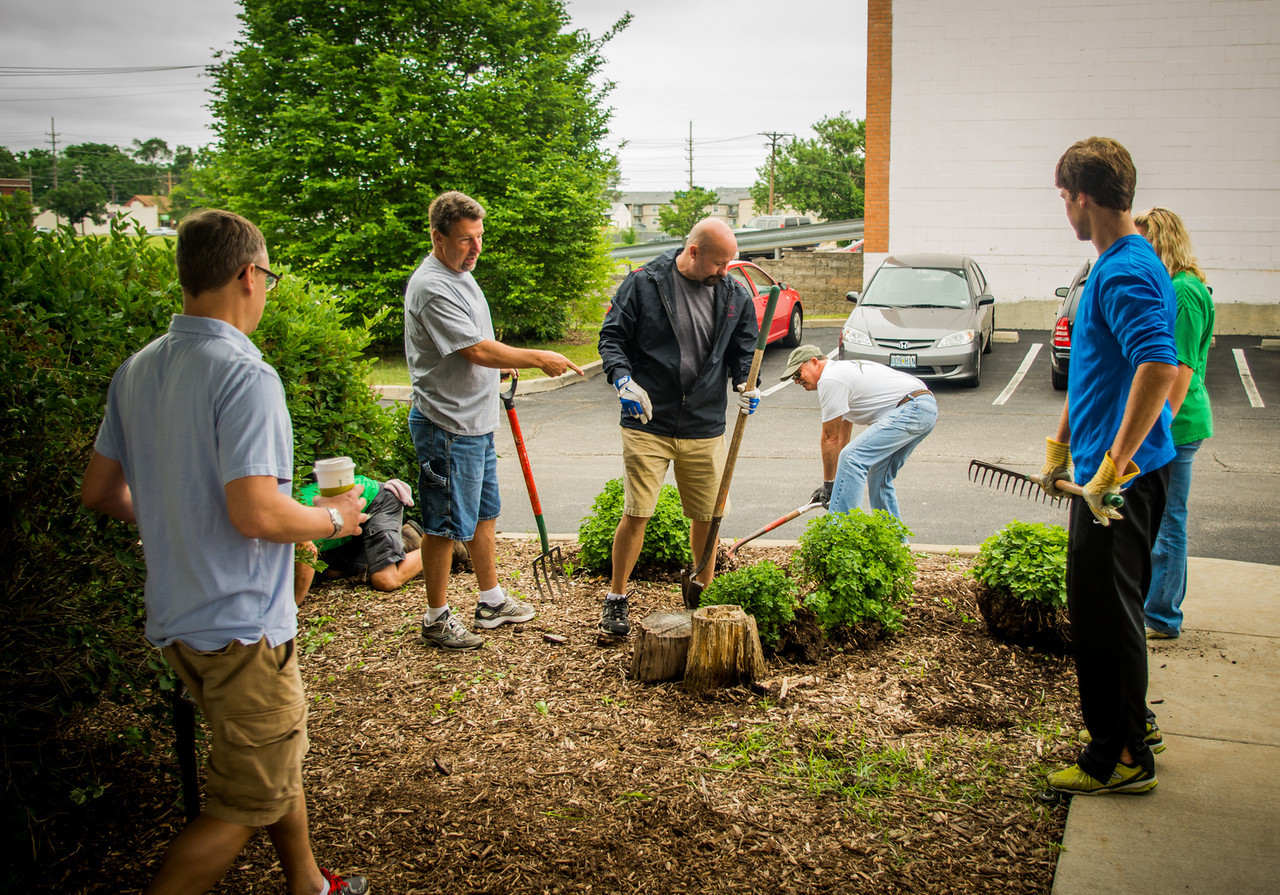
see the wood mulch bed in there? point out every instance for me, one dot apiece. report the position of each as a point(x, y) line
point(904, 764)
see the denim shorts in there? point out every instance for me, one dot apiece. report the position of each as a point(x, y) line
point(457, 479)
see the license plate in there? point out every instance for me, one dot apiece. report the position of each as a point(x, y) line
point(902, 360)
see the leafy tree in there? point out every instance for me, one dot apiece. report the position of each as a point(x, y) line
point(686, 209)
point(78, 200)
point(340, 123)
point(9, 164)
point(109, 167)
point(822, 175)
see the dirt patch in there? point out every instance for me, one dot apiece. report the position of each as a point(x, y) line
point(907, 763)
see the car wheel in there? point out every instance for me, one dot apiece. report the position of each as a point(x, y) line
point(1059, 380)
point(977, 373)
point(795, 329)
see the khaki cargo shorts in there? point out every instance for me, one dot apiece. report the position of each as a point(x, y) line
point(699, 464)
point(255, 708)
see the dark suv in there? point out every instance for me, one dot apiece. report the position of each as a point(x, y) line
point(1064, 322)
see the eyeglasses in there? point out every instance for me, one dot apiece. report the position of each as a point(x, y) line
point(798, 376)
point(272, 278)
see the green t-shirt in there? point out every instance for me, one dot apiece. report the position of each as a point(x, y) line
point(1193, 332)
point(311, 491)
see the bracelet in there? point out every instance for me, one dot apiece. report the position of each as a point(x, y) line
point(338, 522)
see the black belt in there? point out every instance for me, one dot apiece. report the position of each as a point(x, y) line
point(906, 398)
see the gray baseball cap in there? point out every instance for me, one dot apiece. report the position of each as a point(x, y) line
point(798, 357)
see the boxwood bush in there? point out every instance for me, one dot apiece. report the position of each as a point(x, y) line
point(859, 567)
point(666, 539)
point(71, 310)
point(1028, 560)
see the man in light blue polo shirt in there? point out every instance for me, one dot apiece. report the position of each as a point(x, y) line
point(196, 448)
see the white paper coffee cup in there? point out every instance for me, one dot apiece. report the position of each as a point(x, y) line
point(335, 475)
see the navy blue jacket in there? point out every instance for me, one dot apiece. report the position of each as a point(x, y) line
point(638, 339)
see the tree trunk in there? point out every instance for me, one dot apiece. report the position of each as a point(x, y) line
point(661, 645)
point(724, 649)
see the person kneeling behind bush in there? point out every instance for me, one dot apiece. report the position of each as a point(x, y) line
point(386, 553)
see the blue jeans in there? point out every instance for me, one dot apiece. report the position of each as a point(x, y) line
point(1163, 607)
point(457, 479)
point(871, 460)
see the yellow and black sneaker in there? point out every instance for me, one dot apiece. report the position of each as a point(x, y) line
point(1124, 779)
point(1154, 739)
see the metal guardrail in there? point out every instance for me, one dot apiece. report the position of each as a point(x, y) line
point(753, 241)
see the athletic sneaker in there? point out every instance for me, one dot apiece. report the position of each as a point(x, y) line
point(613, 619)
point(447, 632)
point(510, 612)
point(352, 885)
point(1153, 634)
point(1154, 739)
point(1124, 779)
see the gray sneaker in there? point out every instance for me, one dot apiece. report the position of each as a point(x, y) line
point(447, 632)
point(511, 612)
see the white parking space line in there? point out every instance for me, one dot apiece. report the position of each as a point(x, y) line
point(781, 385)
point(1246, 379)
point(1018, 376)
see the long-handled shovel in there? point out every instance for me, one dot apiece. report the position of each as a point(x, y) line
point(690, 586)
point(794, 514)
point(548, 569)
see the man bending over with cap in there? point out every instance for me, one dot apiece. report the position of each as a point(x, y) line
point(897, 409)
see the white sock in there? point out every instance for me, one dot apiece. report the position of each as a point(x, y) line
point(494, 596)
point(325, 890)
point(433, 615)
point(612, 596)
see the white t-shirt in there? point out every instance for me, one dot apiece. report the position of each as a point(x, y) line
point(862, 391)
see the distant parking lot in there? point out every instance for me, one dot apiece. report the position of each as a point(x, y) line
point(574, 445)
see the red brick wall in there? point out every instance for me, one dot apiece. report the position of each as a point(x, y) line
point(879, 97)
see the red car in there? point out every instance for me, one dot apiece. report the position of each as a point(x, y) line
point(788, 316)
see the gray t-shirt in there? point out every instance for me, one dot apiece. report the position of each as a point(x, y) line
point(444, 312)
point(695, 324)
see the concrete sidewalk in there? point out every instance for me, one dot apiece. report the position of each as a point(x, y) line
point(1212, 826)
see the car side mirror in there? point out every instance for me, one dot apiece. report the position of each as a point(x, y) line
point(783, 286)
point(1061, 291)
point(986, 300)
point(852, 296)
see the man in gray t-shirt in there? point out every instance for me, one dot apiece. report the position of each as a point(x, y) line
point(455, 364)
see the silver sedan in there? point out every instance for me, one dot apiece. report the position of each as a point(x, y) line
point(930, 315)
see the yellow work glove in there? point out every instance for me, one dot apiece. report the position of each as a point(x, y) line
point(1106, 481)
point(1057, 466)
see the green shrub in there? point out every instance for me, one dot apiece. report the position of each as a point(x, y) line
point(859, 568)
point(1027, 559)
point(666, 539)
point(71, 608)
point(762, 590)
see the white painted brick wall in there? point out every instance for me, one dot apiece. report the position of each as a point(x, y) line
point(987, 94)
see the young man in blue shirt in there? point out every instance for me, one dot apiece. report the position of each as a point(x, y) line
point(196, 448)
point(1115, 424)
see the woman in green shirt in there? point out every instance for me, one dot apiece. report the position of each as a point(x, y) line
point(1192, 418)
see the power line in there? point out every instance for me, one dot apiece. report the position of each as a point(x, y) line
point(28, 71)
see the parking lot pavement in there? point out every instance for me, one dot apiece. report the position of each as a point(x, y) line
point(575, 447)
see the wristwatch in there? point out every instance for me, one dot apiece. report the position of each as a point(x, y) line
point(338, 522)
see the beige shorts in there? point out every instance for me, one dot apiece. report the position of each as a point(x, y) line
point(699, 464)
point(254, 705)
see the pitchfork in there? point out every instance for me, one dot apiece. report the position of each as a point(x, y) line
point(548, 569)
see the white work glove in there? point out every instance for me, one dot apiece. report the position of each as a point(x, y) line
point(402, 491)
point(635, 400)
point(1057, 467)
point(749, 399)
point(1107, 481)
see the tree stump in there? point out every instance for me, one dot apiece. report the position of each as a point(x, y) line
point(724, 649)
point(661, 645)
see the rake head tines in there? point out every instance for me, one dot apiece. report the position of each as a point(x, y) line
point(1006, 480)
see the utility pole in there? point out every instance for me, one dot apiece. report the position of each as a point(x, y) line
point(53, 137)
point(773, 157)
point(690, 155)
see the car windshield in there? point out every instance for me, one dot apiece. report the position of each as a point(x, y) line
point(917, 287)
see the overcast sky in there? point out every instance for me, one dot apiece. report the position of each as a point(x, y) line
point(733, 69)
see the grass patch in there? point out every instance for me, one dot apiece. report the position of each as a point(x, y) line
point(390, 367)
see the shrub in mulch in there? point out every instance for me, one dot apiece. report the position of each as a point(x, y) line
point(1023, 597)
